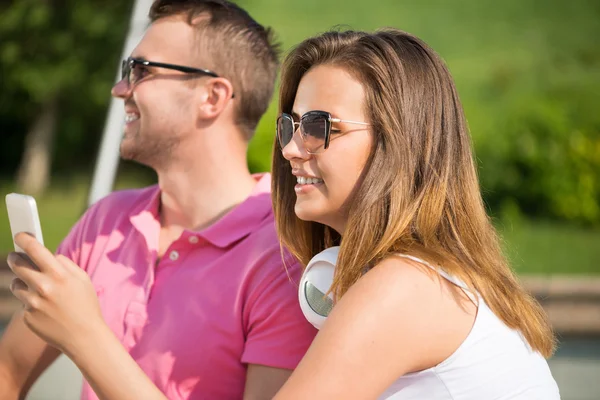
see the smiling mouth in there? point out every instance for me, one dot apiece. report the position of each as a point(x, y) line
point(302, 180)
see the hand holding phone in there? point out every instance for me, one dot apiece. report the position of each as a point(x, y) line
point(23, 216)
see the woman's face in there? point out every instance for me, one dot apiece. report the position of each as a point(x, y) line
point(335, 171)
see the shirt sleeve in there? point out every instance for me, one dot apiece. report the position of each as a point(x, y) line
point(278, 334)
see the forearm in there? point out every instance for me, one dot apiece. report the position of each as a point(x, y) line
point(9, 388)
point(110, 370)
point(23, 358)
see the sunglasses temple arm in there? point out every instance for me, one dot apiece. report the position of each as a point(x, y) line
point(347, 122)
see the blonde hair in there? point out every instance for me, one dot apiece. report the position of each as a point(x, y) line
point(419, 192)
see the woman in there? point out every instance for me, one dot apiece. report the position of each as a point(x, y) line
point(373, 155)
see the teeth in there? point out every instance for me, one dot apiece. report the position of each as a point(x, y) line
point(131, 117)
point(302, 180)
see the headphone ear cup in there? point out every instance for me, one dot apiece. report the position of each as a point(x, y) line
point(315, 283)
point(318, 301)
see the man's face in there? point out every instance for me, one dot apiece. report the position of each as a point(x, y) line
point(161, 108)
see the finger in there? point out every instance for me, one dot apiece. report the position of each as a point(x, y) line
point(24, 269)
point(22, 293)
point(68, 264)
point(41, 256)
point(26, 258)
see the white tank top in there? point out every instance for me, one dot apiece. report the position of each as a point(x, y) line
point(494, 362)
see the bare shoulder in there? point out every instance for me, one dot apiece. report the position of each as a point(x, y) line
point(395, 291)
point(401, 278)
point(397, 318)
point(426, 316)
point(405, 283)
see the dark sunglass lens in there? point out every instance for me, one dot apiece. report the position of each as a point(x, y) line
point(314, 130)
point(285, 130)
point(136, 72)
point(125, 70)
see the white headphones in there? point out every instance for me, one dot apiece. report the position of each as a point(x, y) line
point(316, 281)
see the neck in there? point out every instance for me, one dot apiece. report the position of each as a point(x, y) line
point(200, 186)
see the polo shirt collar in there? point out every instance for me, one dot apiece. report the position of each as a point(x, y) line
point(232, 227)
point(245, 218)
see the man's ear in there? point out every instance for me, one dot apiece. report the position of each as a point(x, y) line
point(216, 96)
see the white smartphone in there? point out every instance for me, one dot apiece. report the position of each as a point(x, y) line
point(23, 216)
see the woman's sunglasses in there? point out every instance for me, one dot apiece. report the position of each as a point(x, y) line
point(315, 128)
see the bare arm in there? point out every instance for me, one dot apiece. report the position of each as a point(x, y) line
point(396, 319)
point(262, 382)
point(23, 358)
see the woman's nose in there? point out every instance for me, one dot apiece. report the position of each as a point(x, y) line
point(295, 148)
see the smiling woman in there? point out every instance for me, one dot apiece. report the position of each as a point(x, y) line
point(425, 304)
point(340, 136)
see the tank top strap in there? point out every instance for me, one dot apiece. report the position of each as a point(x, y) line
point(451, 278)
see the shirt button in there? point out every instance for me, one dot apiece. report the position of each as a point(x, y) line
point(174, 255)
point(193, 239)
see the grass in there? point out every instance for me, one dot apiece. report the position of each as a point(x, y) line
point(540, 247)
point(534, 247)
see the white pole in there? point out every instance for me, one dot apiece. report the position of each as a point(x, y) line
point(108, 156)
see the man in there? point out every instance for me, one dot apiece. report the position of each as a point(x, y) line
point(188, 273)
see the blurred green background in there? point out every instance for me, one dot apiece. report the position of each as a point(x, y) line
point(528, 73)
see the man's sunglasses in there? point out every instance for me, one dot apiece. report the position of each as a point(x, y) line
point(315, 128)
point(134, 69)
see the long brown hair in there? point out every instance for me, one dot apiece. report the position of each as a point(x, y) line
point(419, 192)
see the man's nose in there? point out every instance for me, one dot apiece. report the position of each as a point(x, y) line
point(121, 89)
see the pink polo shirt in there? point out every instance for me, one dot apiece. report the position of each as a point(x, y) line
point(217, 300)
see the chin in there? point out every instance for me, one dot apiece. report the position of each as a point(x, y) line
point(127, 150)
point(311, 213)
point(131, 147)
point(305, 213)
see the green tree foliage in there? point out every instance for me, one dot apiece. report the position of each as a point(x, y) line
point(64, 49)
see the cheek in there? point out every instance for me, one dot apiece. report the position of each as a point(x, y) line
point(163, 103)
point(341, 177)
